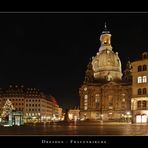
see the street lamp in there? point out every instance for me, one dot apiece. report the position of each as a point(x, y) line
point(128, 116)
point(102, 117)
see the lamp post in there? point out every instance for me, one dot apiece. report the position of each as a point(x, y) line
point(128, 116)
point(101, 118)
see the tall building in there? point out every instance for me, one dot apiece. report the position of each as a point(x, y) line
point(105, 93)
point(139, 101)
point(34, 105)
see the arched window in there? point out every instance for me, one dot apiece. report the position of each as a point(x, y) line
point(140, 79)
point(97, 98)
point(110, 100)
point(144, 104)
point(139, 68)
point(144, 67)
point(144, 56)
point(144, 79)
point(139, 104)
point(139, 91)
point(144, 91)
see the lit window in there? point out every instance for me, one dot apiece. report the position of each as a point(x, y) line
point(139, 79)
point(144, 79)
point(123, 100)
point(85, 104)
point(85, 88)
point(86, 97)
point(144, 119)
point(97, 98)
point(85, 107)
point(138, 119)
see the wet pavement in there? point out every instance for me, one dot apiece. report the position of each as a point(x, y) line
point(84, 128)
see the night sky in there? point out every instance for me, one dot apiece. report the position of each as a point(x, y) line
point(50, 51)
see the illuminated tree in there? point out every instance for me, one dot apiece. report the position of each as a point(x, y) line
point(7, 109)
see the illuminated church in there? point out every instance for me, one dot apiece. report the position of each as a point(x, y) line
point(106, 92)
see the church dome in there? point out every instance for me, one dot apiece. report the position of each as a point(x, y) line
point(106, 64)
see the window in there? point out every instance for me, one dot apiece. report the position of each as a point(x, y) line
point(139, 91)
point(85, 88)
point(85, 107)
point(123, 100)
point(97, 98)
point(144, 104)
point(139, 104)
point(144, 79)
point(144, 56)
point(144, 91)
point(144, 67)
point(139, 68)
point(110, 100)
point(86, 96)
point(85, 100)
point(140, 79)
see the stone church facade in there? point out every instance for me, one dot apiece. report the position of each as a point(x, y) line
point(106, 92)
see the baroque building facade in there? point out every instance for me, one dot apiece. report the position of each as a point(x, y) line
point(106, 92)
point(139, 101)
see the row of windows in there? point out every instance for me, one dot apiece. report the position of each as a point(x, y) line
point(85, 102)
point(14, 99)
point(18, 103)
point(142, 79)
point(142, 68)
point(33, 109)
point(33, 100)
point(141, 104)
point(32, 114)
point(32, 105)
point(19, 109)
point(142, 91)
